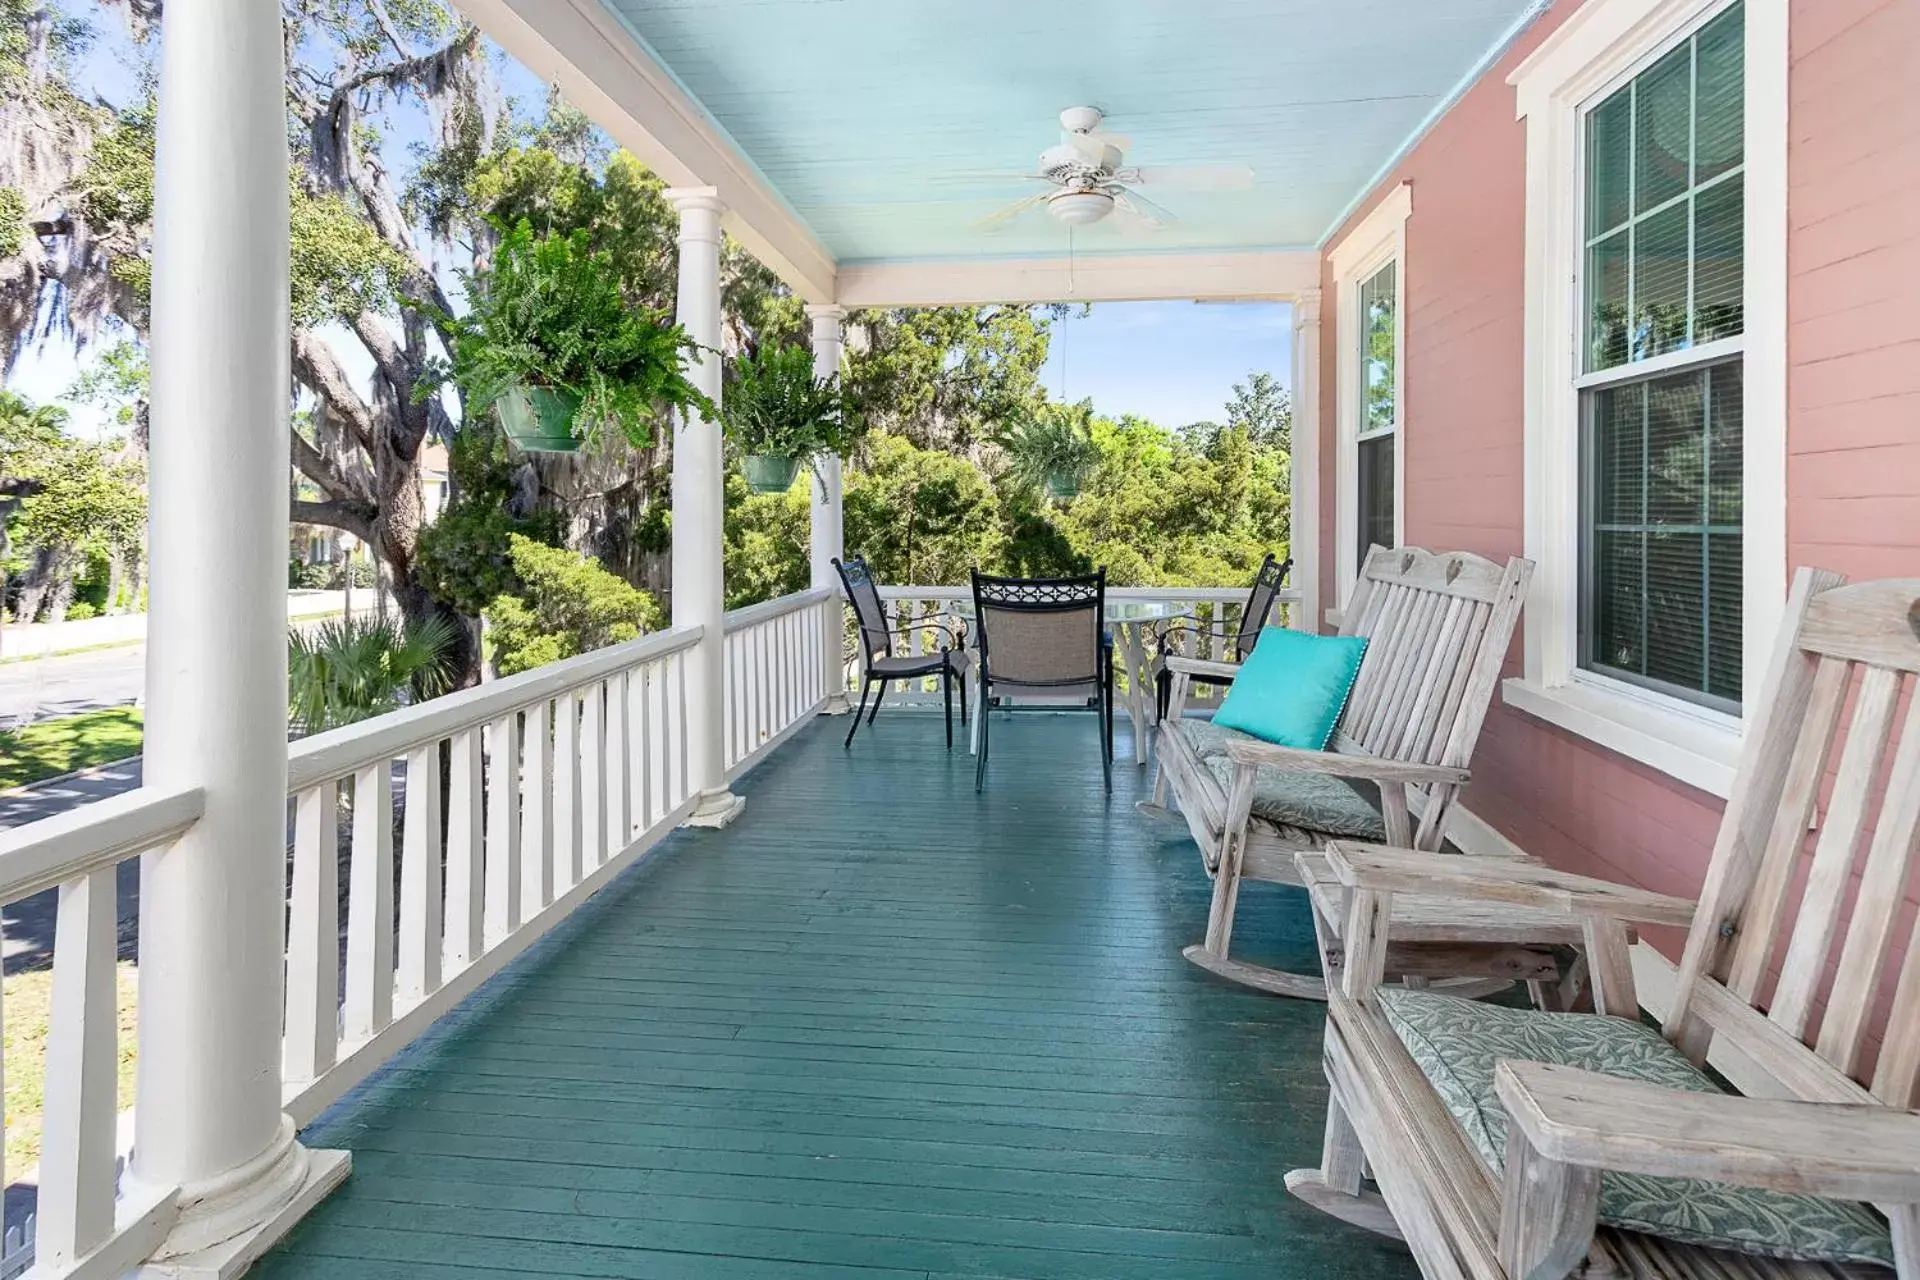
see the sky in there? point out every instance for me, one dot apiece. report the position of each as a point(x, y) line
point(1172, 362)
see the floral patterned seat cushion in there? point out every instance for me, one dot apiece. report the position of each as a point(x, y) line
point(1456, 1044)
point(1315, 802)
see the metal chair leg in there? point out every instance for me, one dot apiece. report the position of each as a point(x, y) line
point(946, 701)
point(878, 699)
point(986, 724)
point(858, 712)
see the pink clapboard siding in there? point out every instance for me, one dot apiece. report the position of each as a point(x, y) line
point(1854, 394)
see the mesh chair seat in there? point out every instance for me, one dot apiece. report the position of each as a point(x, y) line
point(906, 665)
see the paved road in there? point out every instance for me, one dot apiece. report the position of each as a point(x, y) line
point(27, 925)
point(69, 683)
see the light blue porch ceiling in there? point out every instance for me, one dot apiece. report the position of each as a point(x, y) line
point(878, 120)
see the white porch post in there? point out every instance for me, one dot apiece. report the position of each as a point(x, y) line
point(212, 907)
point(1306, 458)
point(829, 336)
point(699, 563)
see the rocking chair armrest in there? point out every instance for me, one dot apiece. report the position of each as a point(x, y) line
point(1847, 1151)
point(1341, 765)
point(1502, 880)
point(1201, 667)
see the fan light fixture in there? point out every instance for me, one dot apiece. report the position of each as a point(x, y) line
point(1079, 208)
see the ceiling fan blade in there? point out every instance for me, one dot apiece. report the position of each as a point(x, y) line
point(1119, 140)
point(1194, 177)
point(1138, 205)
point(1134, 213)
point(1000, 217)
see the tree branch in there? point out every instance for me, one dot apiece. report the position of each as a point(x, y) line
point(355, 518)
point(317, 467)
point(315, 365)
point(384, 349)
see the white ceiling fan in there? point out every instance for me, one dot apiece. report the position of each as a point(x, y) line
point(1090, 179)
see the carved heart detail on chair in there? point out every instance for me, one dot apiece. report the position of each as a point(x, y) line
point(1406, 562)
point(1913, 618)
point(1453, 570)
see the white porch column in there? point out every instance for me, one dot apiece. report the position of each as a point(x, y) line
point(1306, 458)
point(829, 336)
point(699, 597)
point(212, 908)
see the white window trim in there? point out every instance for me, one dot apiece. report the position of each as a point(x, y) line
point(1602, 45)
point(1380, 238)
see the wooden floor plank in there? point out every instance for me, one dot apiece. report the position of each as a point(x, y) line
point(879, 1028)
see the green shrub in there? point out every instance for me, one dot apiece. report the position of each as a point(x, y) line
point(82, 611)
point(361, 572)
point(464, 557)
point(350, 669)
point(310, 577)
point(567, 605)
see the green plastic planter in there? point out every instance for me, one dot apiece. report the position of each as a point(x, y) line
point(539, 420)
point(769, 472)
point(1063, 485)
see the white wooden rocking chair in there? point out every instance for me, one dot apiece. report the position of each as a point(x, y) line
point(1827, 1121)
point(1438, 626)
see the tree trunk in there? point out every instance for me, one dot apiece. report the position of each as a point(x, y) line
point(39, 582)
point(60, 589)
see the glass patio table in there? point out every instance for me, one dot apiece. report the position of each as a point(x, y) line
point(1128, 620)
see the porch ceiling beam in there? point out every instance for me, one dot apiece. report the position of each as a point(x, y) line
point(1212, 277)
point(608, 73)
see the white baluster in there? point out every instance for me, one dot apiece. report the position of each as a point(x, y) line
point(678, 722)
point(536, 811)
point(466, 863)
point(619, 781)
point(313, 935)
point(593, 780)
point(82, 1066)
point(421, 936)
point(566, 792)
point(369, 1004)
point(503, 827)
point(643, 756)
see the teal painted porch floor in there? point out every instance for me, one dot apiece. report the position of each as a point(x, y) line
point(881, 1027)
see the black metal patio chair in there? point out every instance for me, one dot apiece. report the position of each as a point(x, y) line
point(1044, 636)
point(883, 664)
point(1260, 597)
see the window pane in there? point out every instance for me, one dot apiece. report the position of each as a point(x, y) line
point(1376, 495)
point(1619, 460)
point(1607, 302)
point(1663, 123)
point(1377, 354)
point(1719, 241)
point(1660, 283)
point(1661, 590)
point(1676, 450)
point(1718, 142)
point(1609, 151)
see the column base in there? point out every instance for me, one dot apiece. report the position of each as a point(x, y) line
point(716, 809)
point(224, 1227)
point(837, 705)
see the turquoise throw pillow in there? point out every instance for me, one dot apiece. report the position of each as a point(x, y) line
point(1292, 688)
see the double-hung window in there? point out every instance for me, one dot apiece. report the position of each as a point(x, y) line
point(1655, 393)
point(1660, 388)
point(1378, 400)
point(1370, 276)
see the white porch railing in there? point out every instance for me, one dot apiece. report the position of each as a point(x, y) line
point(776, 672)
point(80, 1218)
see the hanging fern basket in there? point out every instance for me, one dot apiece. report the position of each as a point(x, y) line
point(769, 472)
point(539, 420)
point(1063, 485)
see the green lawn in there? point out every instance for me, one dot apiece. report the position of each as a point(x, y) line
point(54, 747)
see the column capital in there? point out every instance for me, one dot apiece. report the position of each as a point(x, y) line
point(829, 323)
point(819, 311)
point(1306, 308)
point(700, 210)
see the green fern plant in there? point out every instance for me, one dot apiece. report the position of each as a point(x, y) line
point(1053, 449)
point(774, 405)
point(551, 315)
